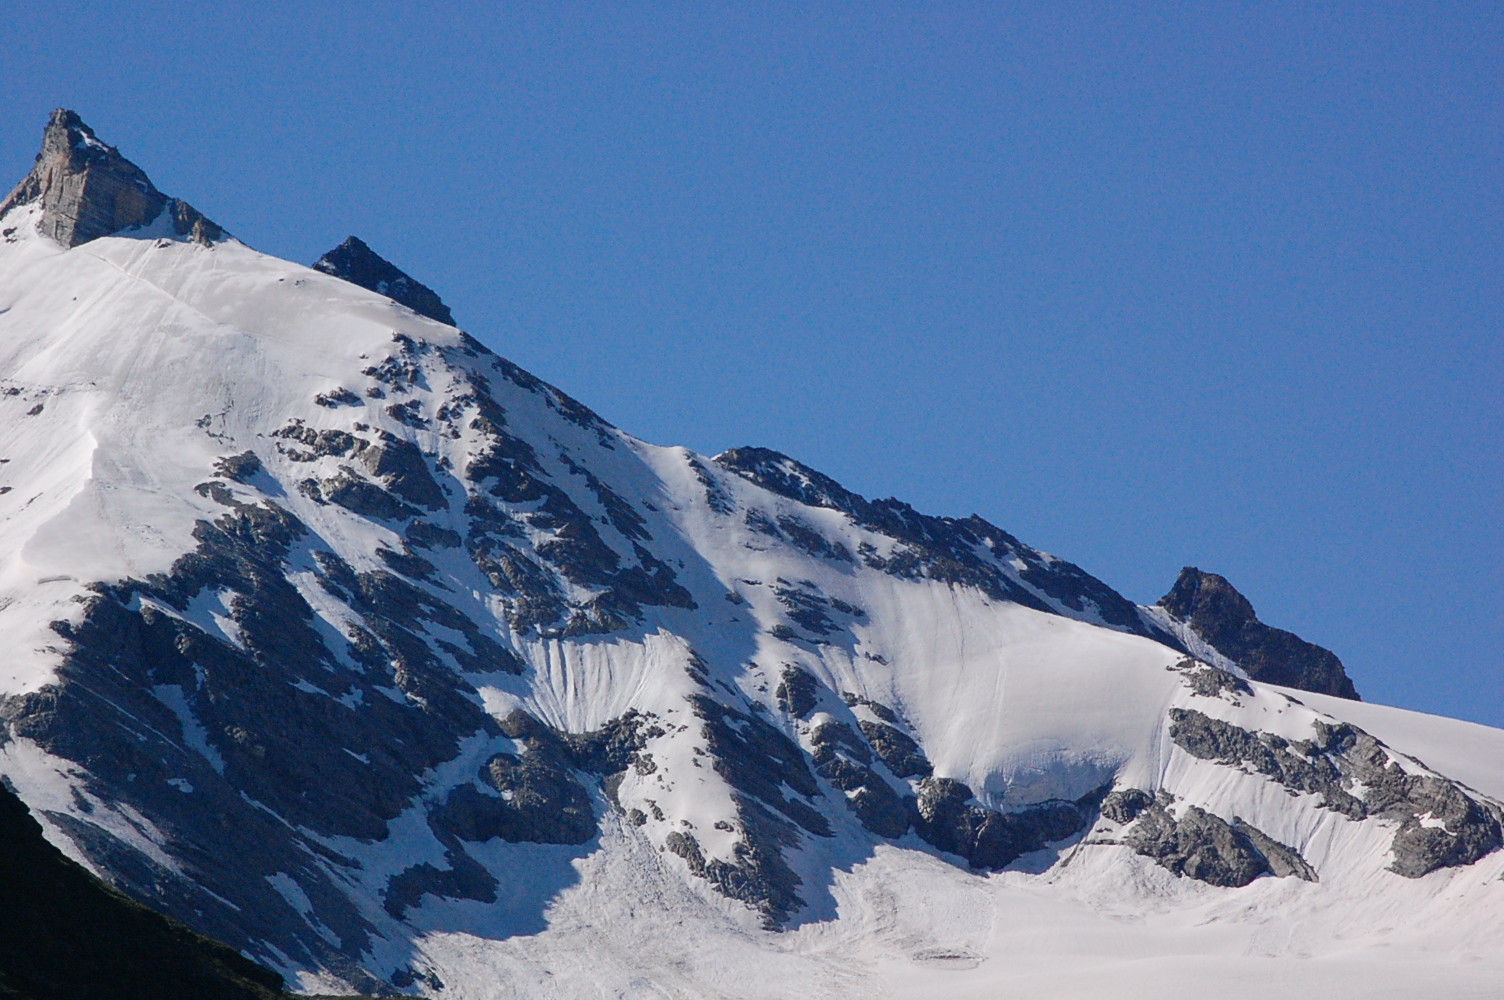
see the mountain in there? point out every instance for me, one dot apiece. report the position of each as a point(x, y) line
point(347, 642)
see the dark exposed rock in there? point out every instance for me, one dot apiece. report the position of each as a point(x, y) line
point(796, 692)
point(1205, 847)
point(715, 496)
point(358, 264)
point(1224, 618)
point(1341, 759)
point(539, 801)
point(1209, 682)
point(432, 536)
point(1122, 805)
point(464, 878)
point(947, 819)
point(1284, 861)
point(803, 537)
point(896, 749)
point(757, 759)
point(317, 443)
point(806, 608)
point(623, 516)
point(360, 496)
point(758, 876)
point(242, 468)
point(841, 757)
point(339, 397)
point(405, 471)
point(409, 412)
point(278, 729)
point(508, 470)
point(407, 563)
point(88, 190)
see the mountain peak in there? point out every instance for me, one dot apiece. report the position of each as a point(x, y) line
point(87, 189)
point(1215, 611)
point(355, 262)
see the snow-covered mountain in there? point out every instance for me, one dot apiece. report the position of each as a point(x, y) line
point(352, 644)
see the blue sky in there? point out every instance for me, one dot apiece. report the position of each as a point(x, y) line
point(1147, 286)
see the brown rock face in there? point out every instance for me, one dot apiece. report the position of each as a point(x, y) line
point(88, 190)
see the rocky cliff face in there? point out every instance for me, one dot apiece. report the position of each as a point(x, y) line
point(358, 264)
point(1222, 617)
point(86, 190)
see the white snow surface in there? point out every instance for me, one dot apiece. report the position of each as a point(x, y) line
point(129, 366)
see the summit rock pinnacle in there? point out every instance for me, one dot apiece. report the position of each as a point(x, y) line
point(87, 189)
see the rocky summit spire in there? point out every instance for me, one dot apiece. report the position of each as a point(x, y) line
point(88, 190)
point(1216, 612)
point(358, 264)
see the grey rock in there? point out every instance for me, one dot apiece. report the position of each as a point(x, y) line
point(1224, 618)
point(947, 819)
point(1203, 846)
point(357, 263)
point(1341, 758)
point(242, 468)
point(796, 692)
point(896, 749)
point(86, 190)
point(1123, 805)
point(842, 758)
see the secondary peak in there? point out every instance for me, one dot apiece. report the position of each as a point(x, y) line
point(358, 264)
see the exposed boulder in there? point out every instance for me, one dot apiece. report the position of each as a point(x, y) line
point(949, 820)
point(1200, 845)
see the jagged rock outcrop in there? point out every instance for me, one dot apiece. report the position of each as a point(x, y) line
point(1440, 825)
point(87, 190)
point(1200, 845)
point(358, 264)
point(1215, 611)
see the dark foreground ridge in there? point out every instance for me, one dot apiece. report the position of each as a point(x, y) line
point(358, 264)
point(88, 190)
point(1223, 617)
point(64, 935)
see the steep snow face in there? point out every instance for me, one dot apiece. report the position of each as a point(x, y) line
point(355, 645)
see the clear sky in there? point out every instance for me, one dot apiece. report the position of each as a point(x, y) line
point(1146, 285)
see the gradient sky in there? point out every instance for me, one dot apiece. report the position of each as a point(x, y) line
point(1147, 286)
